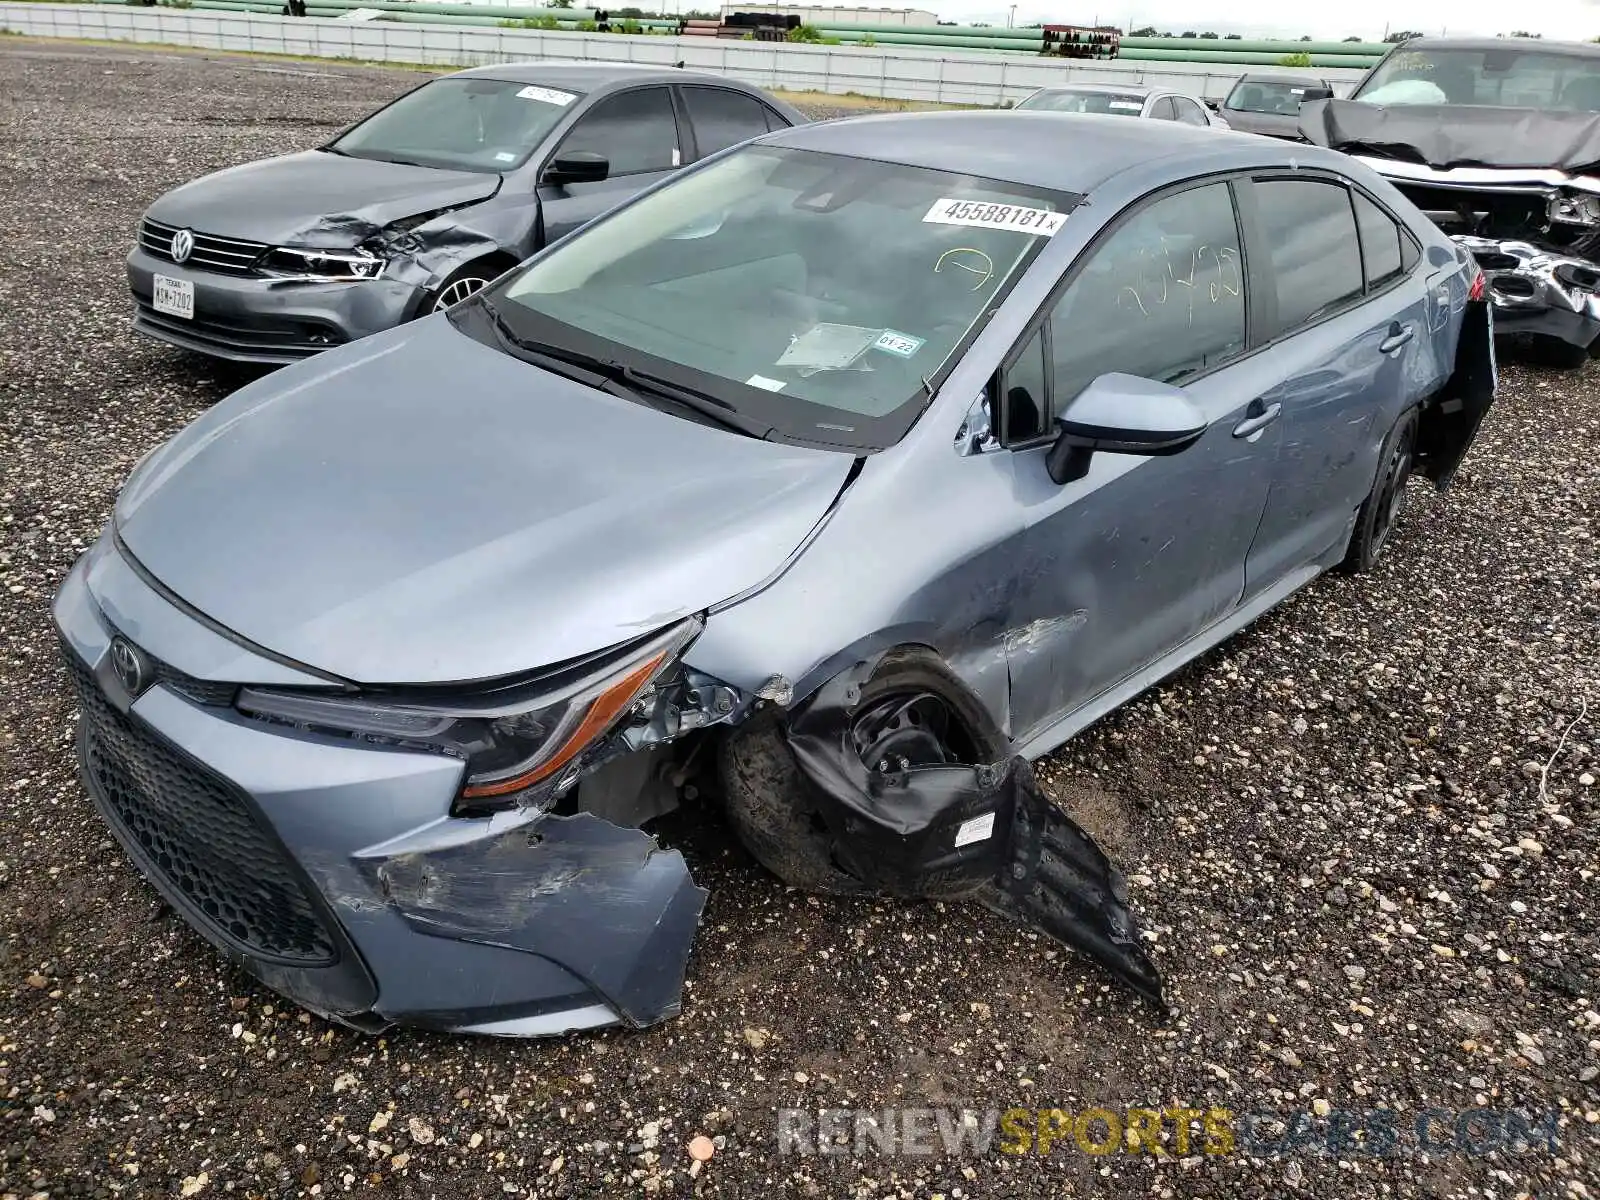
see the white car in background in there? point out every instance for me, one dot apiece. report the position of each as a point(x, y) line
point(1156, 104)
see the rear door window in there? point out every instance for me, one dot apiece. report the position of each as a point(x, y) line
point(1381, 241)
point(637, 131)
point(1310, 233)
point(1162, 297)
point(723, 118)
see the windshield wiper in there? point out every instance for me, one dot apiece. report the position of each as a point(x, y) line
point(548, 358)
point(620, 379)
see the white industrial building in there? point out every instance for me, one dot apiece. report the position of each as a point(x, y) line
point(822, 16)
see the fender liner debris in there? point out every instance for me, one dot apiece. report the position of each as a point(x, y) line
point(982, 830)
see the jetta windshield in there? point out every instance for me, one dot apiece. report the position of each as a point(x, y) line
point(461, 124)
point(1504, 76)
point(823, 295)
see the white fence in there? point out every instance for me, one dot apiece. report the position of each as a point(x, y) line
point(893, 72)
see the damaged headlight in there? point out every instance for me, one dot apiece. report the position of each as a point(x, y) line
point(1575, 208)
point(521, 743)
point(324, 266)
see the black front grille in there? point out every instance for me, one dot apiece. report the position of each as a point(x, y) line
point(196, 835)
point(231, 256)
point(297, 340)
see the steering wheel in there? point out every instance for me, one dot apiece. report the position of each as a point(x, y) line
point(964, 258)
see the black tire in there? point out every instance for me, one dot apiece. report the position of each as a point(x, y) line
point(461, 284)
point(776, 810)
point(1384, 503)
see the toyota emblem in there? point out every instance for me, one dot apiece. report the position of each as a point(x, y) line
point(182, 245)
point(128, 664)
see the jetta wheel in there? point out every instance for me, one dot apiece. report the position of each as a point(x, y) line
point(457, 288)
point(1381, 510)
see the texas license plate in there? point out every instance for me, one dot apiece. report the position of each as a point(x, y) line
point(175, 297)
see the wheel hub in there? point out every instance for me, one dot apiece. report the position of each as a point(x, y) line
point(900, 732)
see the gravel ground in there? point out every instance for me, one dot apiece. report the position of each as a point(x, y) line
point(1365, 889)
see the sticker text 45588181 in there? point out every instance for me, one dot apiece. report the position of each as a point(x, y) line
point(982, 215)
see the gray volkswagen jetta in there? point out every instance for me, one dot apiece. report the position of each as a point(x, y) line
point(420, 204)
point(835, 479)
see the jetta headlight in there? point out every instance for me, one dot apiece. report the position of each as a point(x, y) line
point(518, 741)
point(326, 266)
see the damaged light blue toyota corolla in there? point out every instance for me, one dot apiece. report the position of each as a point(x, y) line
point(839, 477)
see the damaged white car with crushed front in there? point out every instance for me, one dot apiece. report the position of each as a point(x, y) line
point(835, 479)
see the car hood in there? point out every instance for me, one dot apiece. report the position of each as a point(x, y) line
point(1449, 136)
point(315, 198)
point(420, 508)
point(1270, 124)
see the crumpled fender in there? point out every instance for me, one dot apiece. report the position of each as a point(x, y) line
point(983, 830)
point(423, 250)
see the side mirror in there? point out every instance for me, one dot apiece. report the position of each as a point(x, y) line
point(1317, 93)
point(577, 166)
point(1122, 414)
point(1214, 105)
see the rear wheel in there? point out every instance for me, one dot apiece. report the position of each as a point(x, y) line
point(912, 712)
point(1381, 510)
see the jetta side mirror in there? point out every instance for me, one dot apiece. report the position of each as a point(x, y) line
point(577, 166)
point(1122, 414)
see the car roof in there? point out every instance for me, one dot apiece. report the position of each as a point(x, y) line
point(1130, 89)
point(1289, 80)
point(590, 77)
point(1588, 49)
point(1027, 147)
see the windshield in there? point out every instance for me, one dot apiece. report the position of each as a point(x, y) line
point(461, 124)
point(1112, 103)
point(1258, 96)
point(1506, 76)
point(820, 294)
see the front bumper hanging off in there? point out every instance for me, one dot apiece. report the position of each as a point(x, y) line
point(1538, 292)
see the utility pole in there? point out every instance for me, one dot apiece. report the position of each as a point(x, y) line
point(1011, 19)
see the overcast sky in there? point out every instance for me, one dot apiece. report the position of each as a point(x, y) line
point(1267, 18)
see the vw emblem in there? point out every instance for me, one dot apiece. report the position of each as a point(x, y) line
point(182, 245)
point(128, 664)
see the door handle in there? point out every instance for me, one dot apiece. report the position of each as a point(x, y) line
point(1399, 335)
point(1258, 422)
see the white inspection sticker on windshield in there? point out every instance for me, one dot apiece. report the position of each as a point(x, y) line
point(548, 95)
point(1126, 106)
point(1040, 221)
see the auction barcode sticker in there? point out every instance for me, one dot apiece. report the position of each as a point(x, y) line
point(975, 829)
point(980, 215)
point(548, 95)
